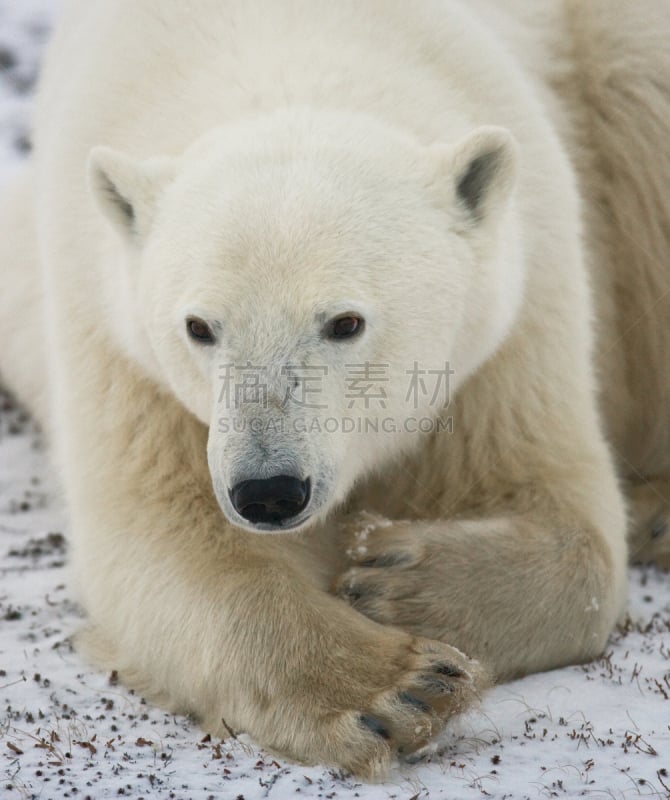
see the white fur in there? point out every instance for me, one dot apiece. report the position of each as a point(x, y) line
point(265, 167)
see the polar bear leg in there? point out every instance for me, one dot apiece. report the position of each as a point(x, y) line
point(522, 594)
point(229, 626)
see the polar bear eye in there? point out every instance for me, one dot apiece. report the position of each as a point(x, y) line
point(344, 326)
point(199, 330)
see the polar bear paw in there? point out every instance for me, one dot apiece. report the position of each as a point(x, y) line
point(423, 684)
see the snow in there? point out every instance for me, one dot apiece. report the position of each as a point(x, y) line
point(601, 730)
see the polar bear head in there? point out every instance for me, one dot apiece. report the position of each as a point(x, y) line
point(313, 287)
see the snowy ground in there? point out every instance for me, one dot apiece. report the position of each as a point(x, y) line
point(600, 731)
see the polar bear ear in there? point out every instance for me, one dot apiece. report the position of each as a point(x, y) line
point(483, 169)
point(126, 190)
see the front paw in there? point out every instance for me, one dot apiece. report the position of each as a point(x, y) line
point(388, 578)
point(397, 694)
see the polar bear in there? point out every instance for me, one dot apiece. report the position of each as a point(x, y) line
point(387, 281)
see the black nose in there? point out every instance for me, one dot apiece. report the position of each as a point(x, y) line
point(270, 499)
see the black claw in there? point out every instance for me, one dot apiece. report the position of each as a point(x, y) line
point(435, 685)
point(415, 702)
point(386, 560)
point(375, 725)
point(351, 592)
point(449, 670)
point(359, 592)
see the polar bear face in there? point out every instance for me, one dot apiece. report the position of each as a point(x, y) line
point(313, 287)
